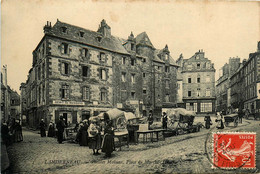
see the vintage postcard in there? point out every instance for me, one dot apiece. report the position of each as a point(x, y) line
point(130, 86)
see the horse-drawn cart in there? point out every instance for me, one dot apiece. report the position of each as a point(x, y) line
point(231, 118)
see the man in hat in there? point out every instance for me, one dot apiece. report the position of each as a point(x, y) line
point(60, 126)
point(42, 128)
point(150, 119)
point(164, 120)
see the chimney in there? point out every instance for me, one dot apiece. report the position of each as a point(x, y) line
point(104, 29)
point(4, 75)
point(258, 46)
point(47, 27)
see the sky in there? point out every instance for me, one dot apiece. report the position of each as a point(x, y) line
point(222, 29)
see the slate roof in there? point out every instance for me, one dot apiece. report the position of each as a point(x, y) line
point(111, 43)
point(90, 37)
point(143, 38)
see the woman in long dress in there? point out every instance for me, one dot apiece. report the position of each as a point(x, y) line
point(51, 131)
point(94, 137)
point(208, 121)
point(219, 120)
point(108, 144)
point(84, 134)
point(42, 128)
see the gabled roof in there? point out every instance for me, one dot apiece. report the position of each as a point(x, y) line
point(143, 38)
point(111, 43)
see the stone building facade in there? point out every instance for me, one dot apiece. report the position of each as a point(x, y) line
point(198, 83)
point(77, 73)
point(245, 84)
point(223, 90)
point(10, 99)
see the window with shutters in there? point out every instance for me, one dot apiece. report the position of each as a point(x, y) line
point(86, 93)
point(65, 92)
point(102, 57)
point(103, 74)
point(123, 60)
point(64, 48)
point(65, 68)
point(123, 76)
point(85, 71)
point(189, 80)
point(84, 52)
point(132, 78)
point(103, 95)
point(189, 93)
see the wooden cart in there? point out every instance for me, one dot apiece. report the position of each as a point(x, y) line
point(231, 118)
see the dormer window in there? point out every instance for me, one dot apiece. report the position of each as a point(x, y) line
point(198, 66)
point(132, 46)
point(81, 34)
point(64, 29)
point(167, 57)
point(99, 38)
point(133, 62)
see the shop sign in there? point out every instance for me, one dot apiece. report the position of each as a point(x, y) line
point(59, 102)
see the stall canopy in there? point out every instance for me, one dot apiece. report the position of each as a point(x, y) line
point(130, 116)
point(174, 114)
point(115, 113)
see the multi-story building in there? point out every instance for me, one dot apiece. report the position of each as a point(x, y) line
point(10, 99)
point(251, 71)
point(223, 91)
point(237, 95)
point(77, 73)
point(245, 84)
point(198, 82)
point(23, 101)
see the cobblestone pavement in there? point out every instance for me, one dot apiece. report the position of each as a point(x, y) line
point(184, 153)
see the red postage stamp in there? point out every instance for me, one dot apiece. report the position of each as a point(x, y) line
point(234, 150)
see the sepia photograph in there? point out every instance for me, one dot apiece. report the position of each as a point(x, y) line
point(133, 86)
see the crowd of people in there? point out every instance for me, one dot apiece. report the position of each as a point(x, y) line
point(88, 133)
point(11, 132)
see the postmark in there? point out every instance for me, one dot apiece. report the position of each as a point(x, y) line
point(233, 150)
